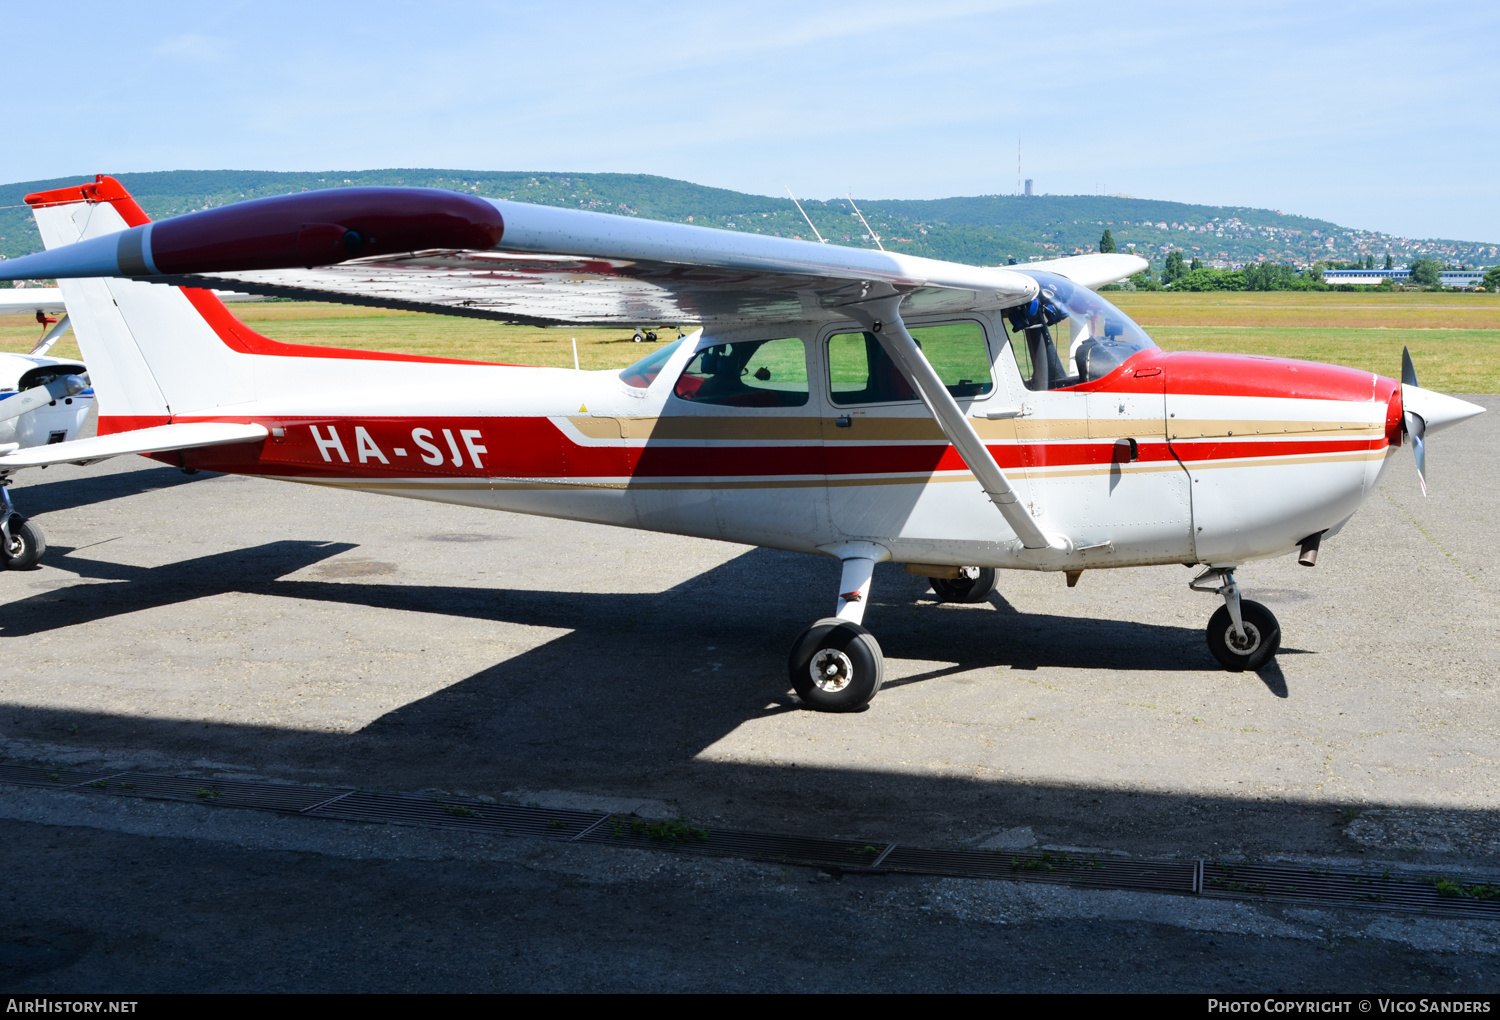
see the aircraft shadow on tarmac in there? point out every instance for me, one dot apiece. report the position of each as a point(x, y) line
point(641, 686)
point(84, 490)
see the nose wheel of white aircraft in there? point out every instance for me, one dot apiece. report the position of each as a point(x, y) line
point(24, 543)
point(21, 542)
point(1242, 635)
point(836, 666)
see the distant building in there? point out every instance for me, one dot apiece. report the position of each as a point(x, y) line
point(1028, 187)
point(1457, 278)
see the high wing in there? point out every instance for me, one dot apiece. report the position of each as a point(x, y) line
point(446, 252)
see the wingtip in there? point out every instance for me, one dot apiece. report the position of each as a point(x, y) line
point(98, 256)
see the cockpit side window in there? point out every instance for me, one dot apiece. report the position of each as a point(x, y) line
point(860, 372)
point(1069, 335)
point(754, 373)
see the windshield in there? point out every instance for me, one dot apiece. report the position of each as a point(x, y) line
point(644, 372)
point(1069, 335)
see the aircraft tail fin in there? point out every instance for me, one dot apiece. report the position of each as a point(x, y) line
point(152, 350)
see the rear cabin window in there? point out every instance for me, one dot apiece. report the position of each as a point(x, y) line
point(860, 372)
point(747, 373)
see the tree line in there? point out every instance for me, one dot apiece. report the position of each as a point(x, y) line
point(1177, 273)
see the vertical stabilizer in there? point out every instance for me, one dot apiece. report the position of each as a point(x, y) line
point(151, 353)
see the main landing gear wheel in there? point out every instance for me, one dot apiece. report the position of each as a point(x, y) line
point(25, 546)
point(1260, 643)
point(973, 584)
point(836, 666)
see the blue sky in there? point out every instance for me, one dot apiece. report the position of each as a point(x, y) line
point(1376, 115)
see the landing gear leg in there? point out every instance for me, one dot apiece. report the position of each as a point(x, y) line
point(1241, 634)
point(836, 665)
point(21, 542)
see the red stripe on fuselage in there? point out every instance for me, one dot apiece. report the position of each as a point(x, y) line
point(367, 449)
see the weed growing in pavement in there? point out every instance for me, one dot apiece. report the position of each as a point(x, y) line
point(1448, 887)
point(209, 792)
point(459, 811)
point(677, 831)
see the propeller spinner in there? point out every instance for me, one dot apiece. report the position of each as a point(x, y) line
point(1424, 411)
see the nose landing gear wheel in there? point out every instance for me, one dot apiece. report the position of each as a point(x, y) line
point(836, 666)
point(973, 584)
point(1261, 641)
point(26, 545)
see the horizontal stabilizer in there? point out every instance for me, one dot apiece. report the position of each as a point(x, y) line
point(162, 438)
point(30, 300)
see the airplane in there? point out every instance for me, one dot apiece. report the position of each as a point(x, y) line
point(43, 400)
point(863, 405)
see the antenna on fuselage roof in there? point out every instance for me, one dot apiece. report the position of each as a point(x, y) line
point(861, 216)
point(820, 237)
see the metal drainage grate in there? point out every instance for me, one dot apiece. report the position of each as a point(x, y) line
point(1383, 891)
point(1403, 893)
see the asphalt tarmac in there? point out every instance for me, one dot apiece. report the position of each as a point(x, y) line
point(235, 628)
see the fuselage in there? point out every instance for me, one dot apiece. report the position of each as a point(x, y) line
point(1170, 458)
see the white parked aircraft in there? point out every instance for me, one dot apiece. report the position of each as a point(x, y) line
point(43, 400)
point(858, 404)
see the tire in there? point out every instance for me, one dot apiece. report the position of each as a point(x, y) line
point(1261, 628)
point(27, 543)
point(848, 649)
point(966, 589)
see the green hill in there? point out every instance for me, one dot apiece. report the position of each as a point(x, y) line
point(982, 230)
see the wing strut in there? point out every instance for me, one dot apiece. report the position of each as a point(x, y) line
point(882, 316)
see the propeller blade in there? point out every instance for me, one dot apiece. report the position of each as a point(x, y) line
point(1423, 410)
point(1417, 429)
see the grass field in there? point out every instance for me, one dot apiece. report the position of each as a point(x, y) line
point(1454, 338)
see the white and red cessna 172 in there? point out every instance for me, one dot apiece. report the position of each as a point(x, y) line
point(860, 404)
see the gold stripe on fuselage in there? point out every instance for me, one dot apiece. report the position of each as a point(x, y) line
point(780, 428)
